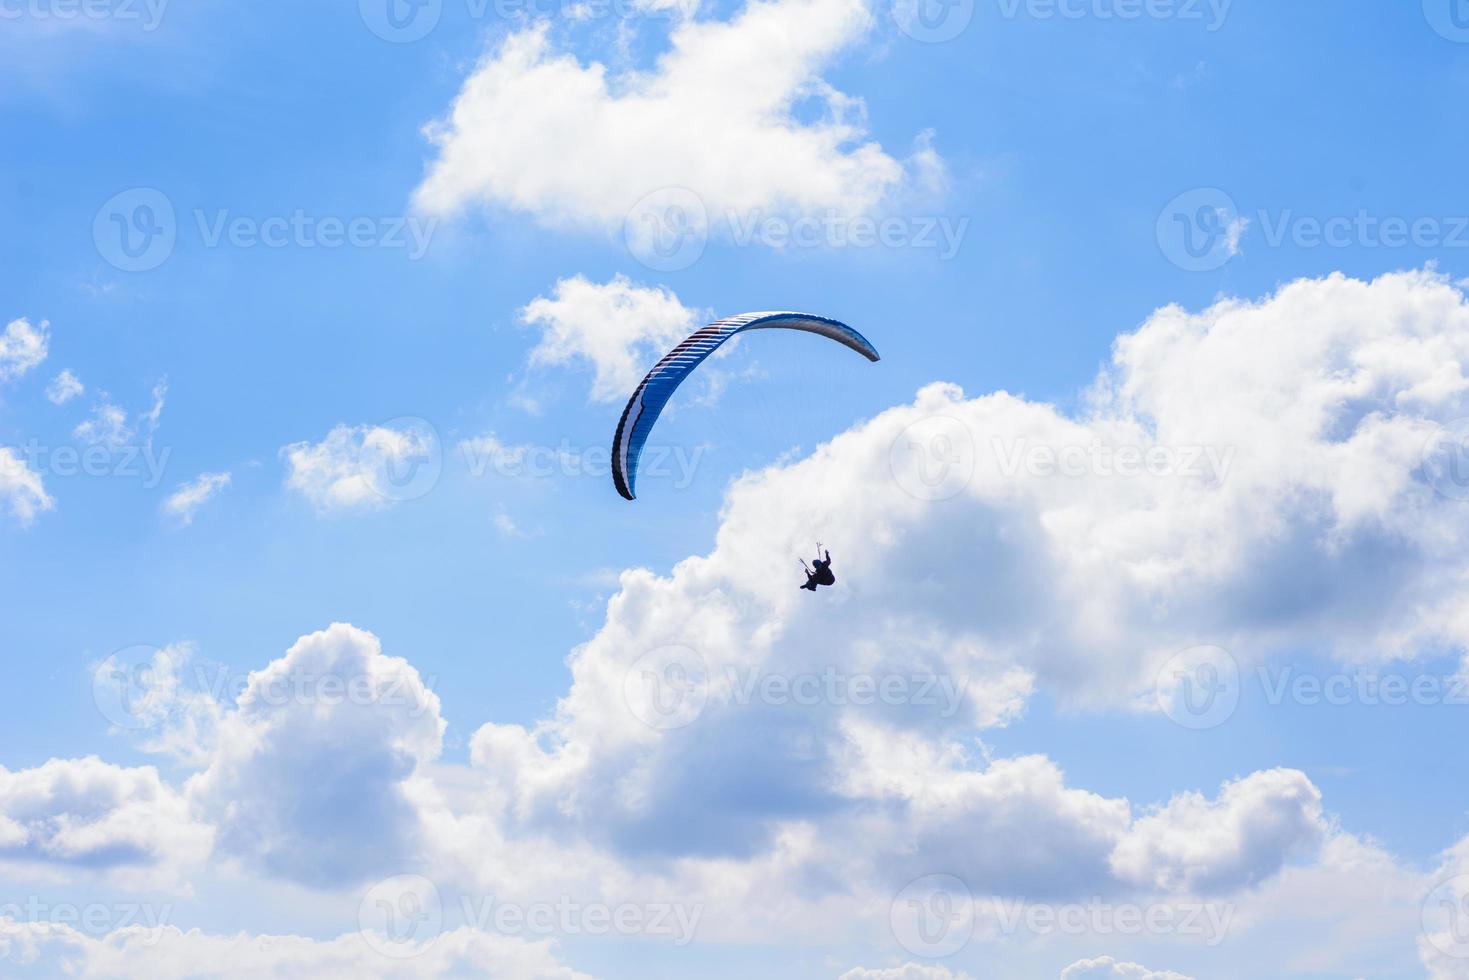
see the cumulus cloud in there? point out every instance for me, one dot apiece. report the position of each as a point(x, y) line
point(1107, 968)
point(21, 488)
point(151, 697)
point(1317, 527)
point(165, 952)
point(108, 426)
point(86, 814)
point(1194, 845)
point(309, 779)
point(22, 347)
point(908, 971)
point(184, 502)
point(359, 467)
point(64, 387)
point(618, 328)
point(534, 129)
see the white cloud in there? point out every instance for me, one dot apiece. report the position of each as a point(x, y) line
point(1193, 845)
point(309, 778)
point(89, 815)
point(1321, 532)
point(108, 426)
point(533, 129)
point(154, 414)
point(908, 971)
point(618, 328)
point(153, 700)
point(1324, 531)
point(508, 528)
point(64, 387)
point(46, 949)
point(358, 467)
point(22, 487)
point(184, 502)
point(22, 347)
point(1107, 968)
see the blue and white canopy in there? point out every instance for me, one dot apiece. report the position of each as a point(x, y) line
point(654, 391)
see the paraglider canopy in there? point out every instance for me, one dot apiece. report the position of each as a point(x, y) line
point(653, 392)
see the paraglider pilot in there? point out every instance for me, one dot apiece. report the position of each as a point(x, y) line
point(822, 575)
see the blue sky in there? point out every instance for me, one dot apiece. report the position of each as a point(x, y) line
point(1044, 170)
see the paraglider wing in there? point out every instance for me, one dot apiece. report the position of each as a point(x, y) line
point(653, 391)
